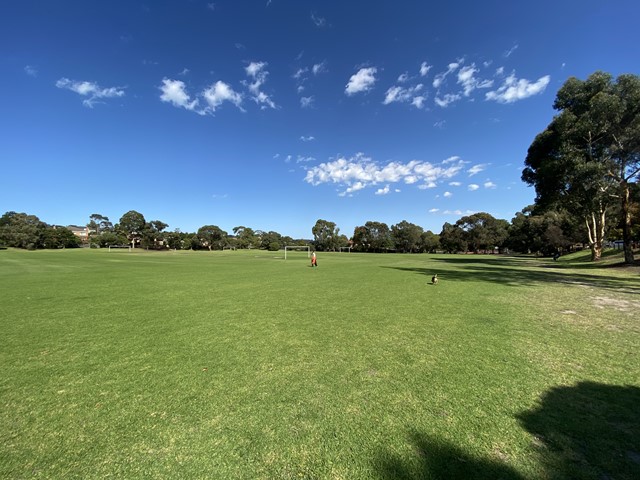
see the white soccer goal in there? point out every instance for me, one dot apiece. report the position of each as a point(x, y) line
point(289, 248)
point(228, 248)
point(120, 247)
point(342, 249)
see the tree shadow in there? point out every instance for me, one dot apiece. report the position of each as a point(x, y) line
point(589, 431)
point(439, 460)
point(514, 271)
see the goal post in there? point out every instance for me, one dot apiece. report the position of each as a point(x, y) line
point(120, 247)
point(289, 248)
point(342, 249)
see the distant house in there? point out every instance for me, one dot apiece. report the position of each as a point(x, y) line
point(81, 232)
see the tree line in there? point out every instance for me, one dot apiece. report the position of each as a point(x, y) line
point(529, 232)
point(584, 166)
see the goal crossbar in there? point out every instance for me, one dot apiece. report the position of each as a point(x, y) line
point(120, 247)
point(288, 248)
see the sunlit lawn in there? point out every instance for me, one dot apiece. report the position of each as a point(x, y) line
point(243, 365)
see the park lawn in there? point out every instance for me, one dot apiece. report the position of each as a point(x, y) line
point(240, 364)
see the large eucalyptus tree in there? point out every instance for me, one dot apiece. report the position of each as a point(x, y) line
point(589, 155)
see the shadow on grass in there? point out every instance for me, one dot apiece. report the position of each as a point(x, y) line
point(587, 431)
point(590, 430)
point(438, 460)
point(517, 271)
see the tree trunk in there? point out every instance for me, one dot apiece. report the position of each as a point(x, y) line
point(595, 229)
point(626, 225)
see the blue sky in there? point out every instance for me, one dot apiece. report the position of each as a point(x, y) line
point(273, 114)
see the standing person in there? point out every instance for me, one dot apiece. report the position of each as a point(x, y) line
point(314, 260)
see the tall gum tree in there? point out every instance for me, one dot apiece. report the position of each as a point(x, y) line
point(589, 155)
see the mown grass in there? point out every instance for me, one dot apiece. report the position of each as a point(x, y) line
point(244, 365)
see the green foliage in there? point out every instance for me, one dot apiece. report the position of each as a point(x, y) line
point(21, 230)
point(406, 236)
point(477, 232)
point(326, 236)
point(589, 155)
point(372, 237)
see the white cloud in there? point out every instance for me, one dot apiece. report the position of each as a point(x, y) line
point(434, 210)
point(447, 99)
point(476, 169)
point(514, 89)
point(466, 78)
point(455, 184)
point(439, 79)
point(220, 92)
point(400, 94)
point(31, 71)
point(306, 102)
point(418, 101)
point(473, 187)
point(310, 138)
point(256, 70)
point(362, 81)
point(424, 69)
point(383, 191)
point(173, 91)
point(319, 68)
point(447, 195)
point(300, 73)
point(403, 77)
point(452, 159)
point(91, 90)
point(489, 184)
point(361, 172)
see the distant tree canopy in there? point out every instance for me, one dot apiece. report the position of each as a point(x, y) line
point(326, 236)
point(21, 230)
point(477, 232)
point(588, 157)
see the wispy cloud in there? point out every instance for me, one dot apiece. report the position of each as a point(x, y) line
point(319, 68)
point(509, 52)
point(258, 73)
point(447, 99)
point(439, 79)
point(466, 78)
point(306, 102)
point(362, 81)
point(472, 187)
point(489, 184)
point(476, 169)
point(402, 94)
point(514, 89)
point(360, 171)
point(93, 92)
point(310, 138)
point(31, 71)
point(317, 20)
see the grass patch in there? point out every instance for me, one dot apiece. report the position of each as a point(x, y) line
point(244, 365)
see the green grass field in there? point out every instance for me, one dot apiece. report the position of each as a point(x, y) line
point(241, 365)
